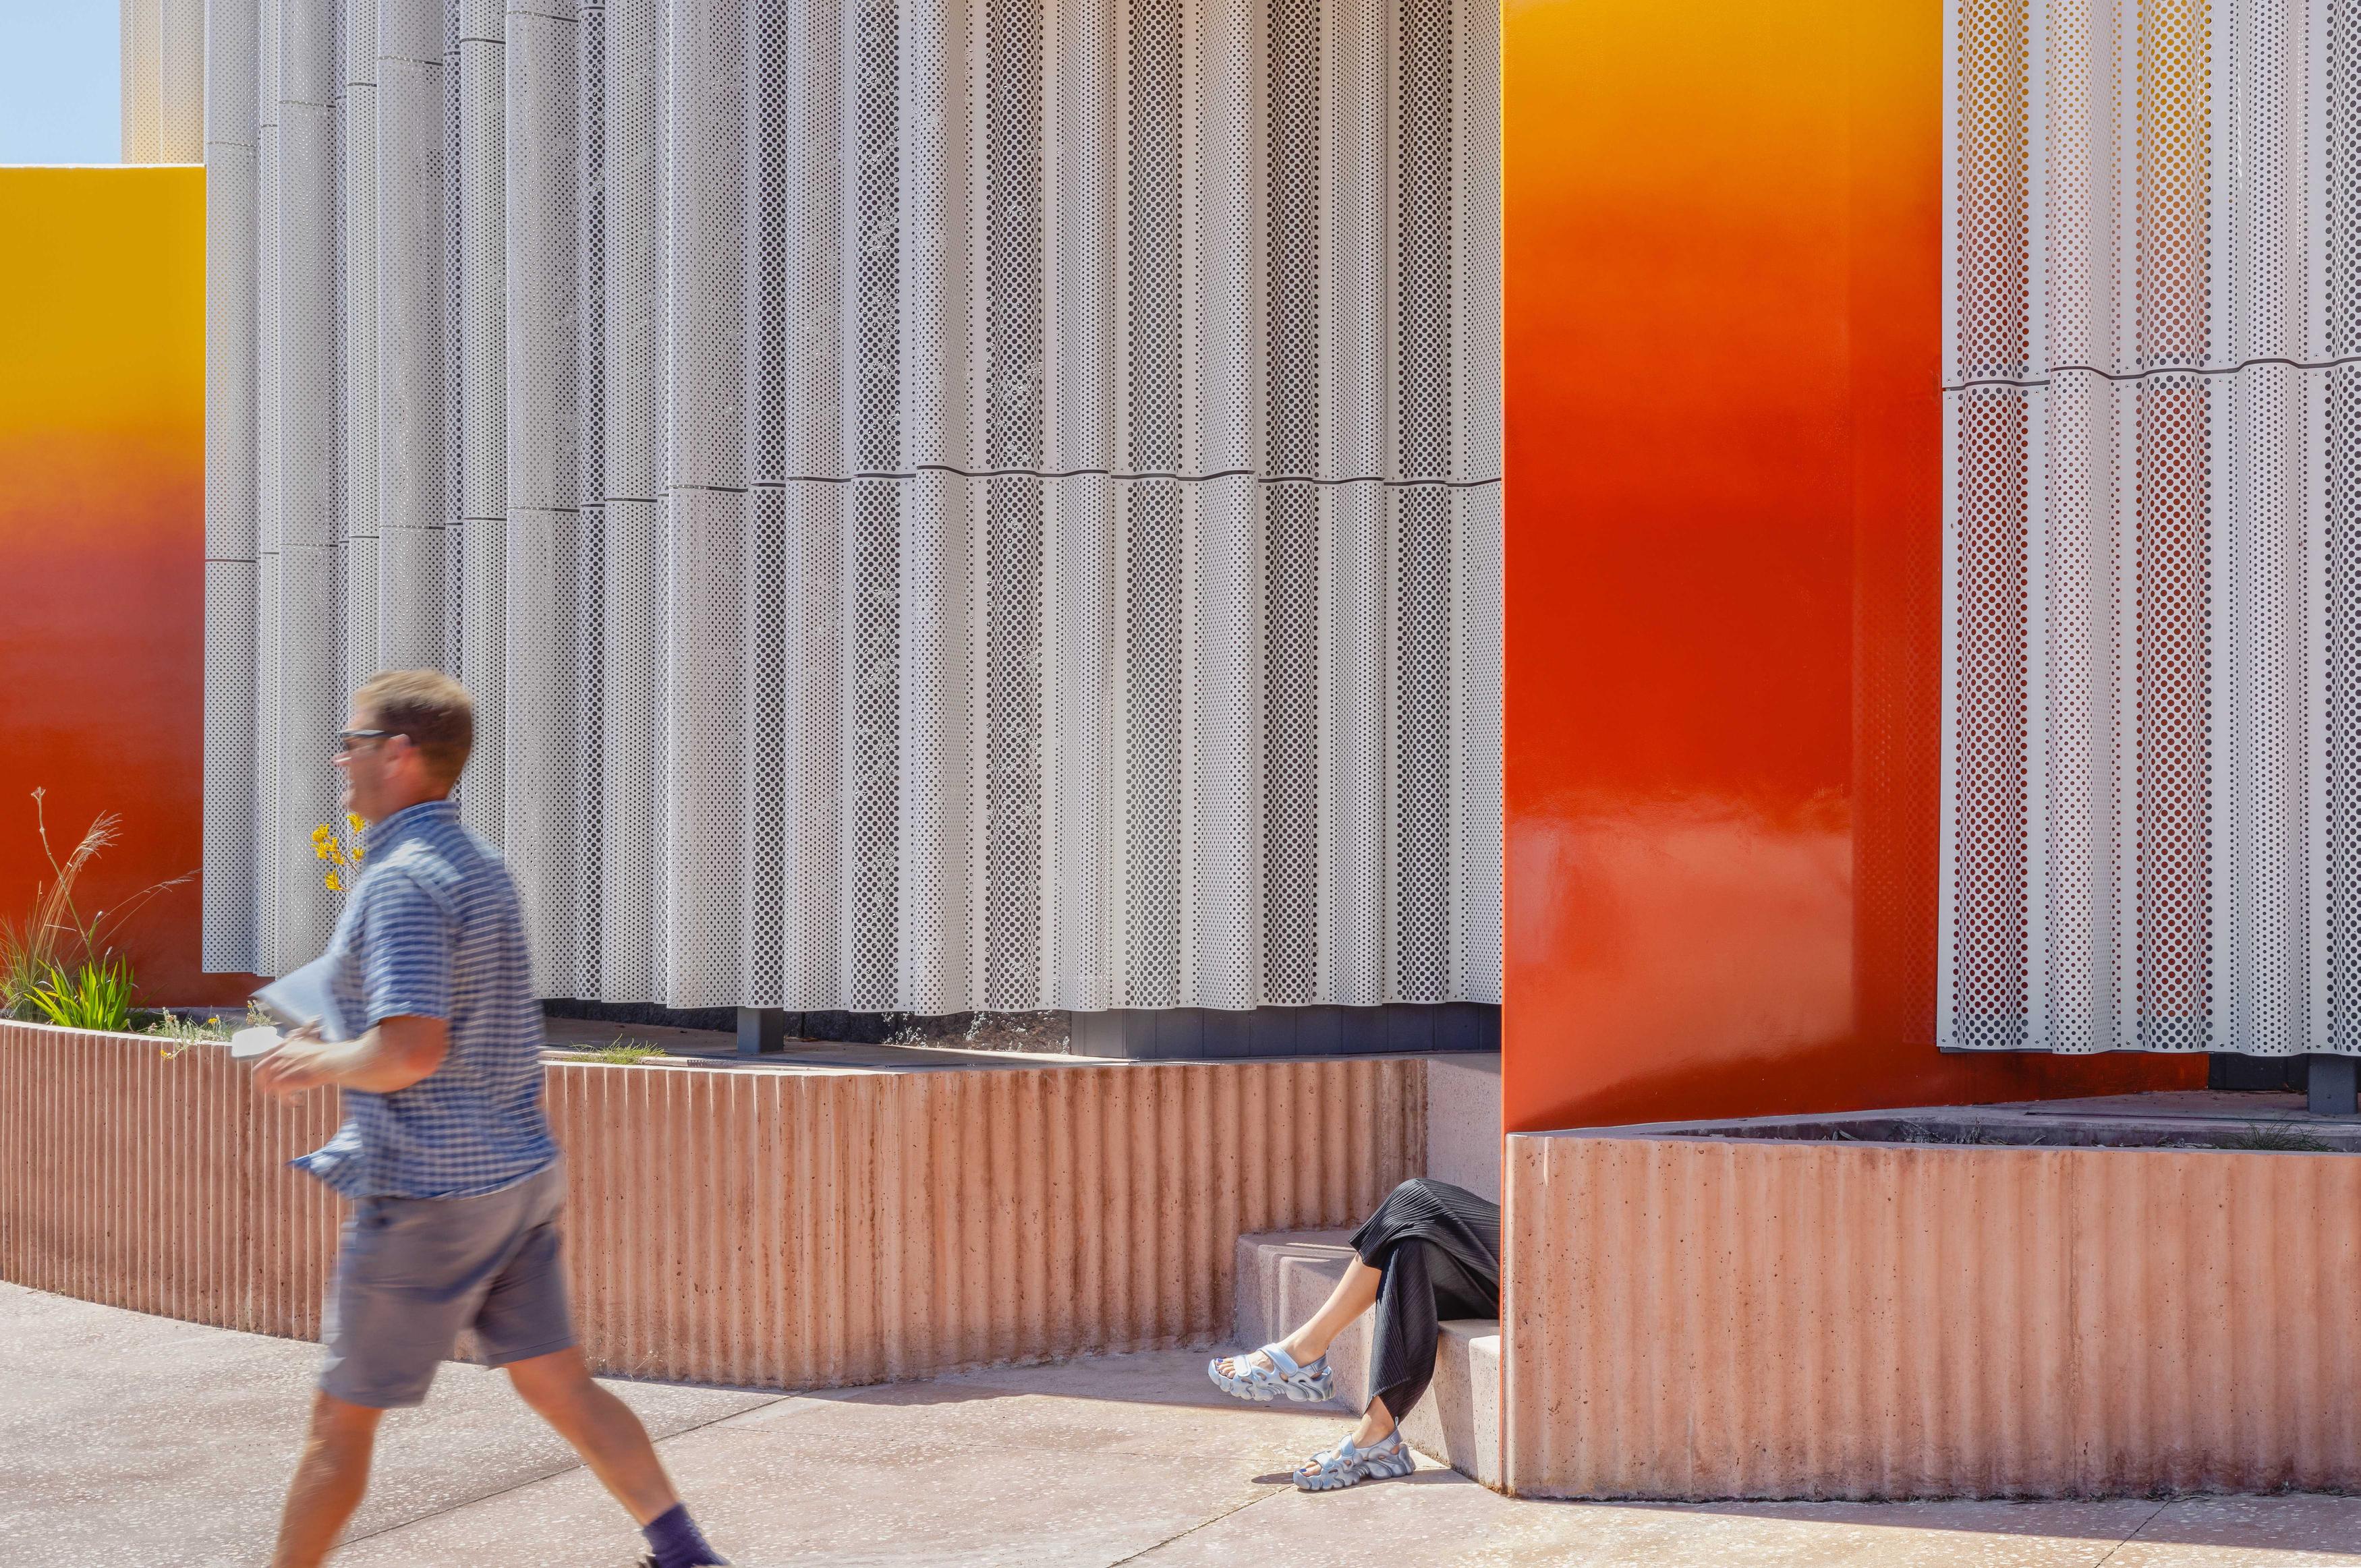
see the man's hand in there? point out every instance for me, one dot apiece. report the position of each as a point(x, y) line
point(300, 1063)
point(393, 1055)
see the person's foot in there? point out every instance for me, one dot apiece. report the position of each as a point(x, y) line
point(1348, 1464)
point(1264, 1375)
point(1234, 1365)
point(1231, 1364)
point(675, 1541)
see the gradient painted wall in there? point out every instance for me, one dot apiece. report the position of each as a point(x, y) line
point(1724, 566)
point(101, 539)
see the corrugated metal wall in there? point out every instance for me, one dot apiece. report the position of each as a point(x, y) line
point(1714, 1318)
point(737, 1226)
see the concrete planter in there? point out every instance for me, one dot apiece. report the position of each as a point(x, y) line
point(749, 1226)
point(1776, 1311)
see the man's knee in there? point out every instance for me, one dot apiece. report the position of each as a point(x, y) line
point(342, 1423)
point(558, 1381)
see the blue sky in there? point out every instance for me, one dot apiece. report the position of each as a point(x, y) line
point(61, 87)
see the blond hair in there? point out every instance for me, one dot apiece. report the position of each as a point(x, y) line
point(429, 707)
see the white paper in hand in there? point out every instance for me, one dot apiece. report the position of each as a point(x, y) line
point(257, 1041)
point(303, 997)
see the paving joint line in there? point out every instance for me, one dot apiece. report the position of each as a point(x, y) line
point(2136, 1532)
point(1261, 1494)
point(552, 1474)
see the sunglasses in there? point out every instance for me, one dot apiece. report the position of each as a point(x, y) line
point(348, 740)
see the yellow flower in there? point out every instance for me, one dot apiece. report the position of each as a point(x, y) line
point(353, 821)
point(334, 885)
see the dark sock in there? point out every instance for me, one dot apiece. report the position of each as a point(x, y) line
point(677, 1543)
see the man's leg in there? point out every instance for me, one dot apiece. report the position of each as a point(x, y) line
point(328, 1481)
point(601, 1426)
point(524, 1316)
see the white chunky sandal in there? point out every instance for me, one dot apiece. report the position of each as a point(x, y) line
point(1261, 1384)
point(1346, 1465)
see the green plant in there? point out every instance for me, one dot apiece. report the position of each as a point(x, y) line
point(56, 935)
point(621, 1053)
point(212, 1029)
point(96, 996)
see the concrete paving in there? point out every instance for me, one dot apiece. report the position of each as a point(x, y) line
point(138, 1441)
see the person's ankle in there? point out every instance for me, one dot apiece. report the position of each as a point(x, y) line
point(1299, 1352)
point(675, 1541)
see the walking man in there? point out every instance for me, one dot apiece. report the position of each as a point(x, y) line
point(454, 1184)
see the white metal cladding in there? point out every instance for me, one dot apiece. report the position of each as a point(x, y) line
point(163, 80)
point(2152, 749)
point(986, 505)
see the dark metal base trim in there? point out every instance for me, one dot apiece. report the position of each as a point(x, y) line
point(1157, 1033)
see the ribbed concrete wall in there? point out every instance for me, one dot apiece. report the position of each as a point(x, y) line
point(746, 1227)
point(155, 1185)
point(1710, 1317)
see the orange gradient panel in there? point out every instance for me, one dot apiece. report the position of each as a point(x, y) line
point(101, 543)
point(1724, 566)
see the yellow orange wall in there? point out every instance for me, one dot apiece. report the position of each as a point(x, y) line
point(101, 539)
point(1724, 556)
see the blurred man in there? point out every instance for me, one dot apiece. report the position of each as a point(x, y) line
point(454, 1183)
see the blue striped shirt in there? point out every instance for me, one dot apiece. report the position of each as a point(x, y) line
point(433, 930)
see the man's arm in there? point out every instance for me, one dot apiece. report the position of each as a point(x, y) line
point(407, 952)
point(399, 1052)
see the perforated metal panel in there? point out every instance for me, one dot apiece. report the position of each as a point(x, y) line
point(2149, 755)
point(992, 506)
point(163, 72)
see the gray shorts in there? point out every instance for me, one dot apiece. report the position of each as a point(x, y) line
point(412, 1272)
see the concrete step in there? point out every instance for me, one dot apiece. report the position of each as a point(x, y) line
point(1284, 1275)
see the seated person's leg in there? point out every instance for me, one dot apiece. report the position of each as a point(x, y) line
point(1415, 1207)
point(1429, 1251)
point(1402, 1339)
point(1353, 1296)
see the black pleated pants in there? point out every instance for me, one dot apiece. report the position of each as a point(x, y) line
point(1437, 1248)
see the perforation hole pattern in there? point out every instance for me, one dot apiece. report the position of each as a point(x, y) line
point(942, 508)
point(2149, 810)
